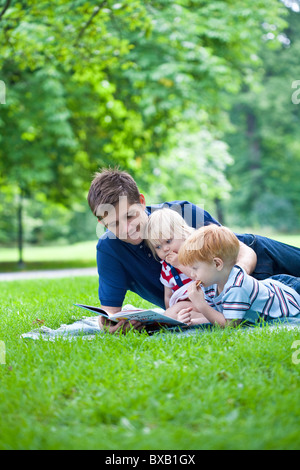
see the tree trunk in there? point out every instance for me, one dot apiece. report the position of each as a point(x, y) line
point(21, 263)
point(219, 210)
point(254, 158)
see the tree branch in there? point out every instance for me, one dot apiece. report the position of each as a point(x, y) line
point(6, 5)
point(87, 24)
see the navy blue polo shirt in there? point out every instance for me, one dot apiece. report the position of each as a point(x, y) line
point(123, 267)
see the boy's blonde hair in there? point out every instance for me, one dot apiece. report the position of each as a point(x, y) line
point(164, 224)
point(207, 243)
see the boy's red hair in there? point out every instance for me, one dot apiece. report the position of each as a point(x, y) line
point(207, 243)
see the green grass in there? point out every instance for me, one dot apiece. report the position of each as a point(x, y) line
point(78, 255)
point(289, 239)
point(82, 255)
point(221, 389)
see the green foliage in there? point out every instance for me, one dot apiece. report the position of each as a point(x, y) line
point(265, 144)
point(194, 170)
point(34, 159)
point(94, 84)
point(56, 117)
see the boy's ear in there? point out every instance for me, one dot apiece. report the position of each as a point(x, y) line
point(142, 200)
point(218, 263)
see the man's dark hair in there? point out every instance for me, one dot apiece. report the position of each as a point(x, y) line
point(107, 187)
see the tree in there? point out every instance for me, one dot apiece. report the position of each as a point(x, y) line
point(266, 144)
point(53, 99)
point(94, 83)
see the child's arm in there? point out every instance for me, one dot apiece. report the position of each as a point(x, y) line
point(167, 295)
point(213, 316)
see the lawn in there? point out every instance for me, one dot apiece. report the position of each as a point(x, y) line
point(78, 255)
point(83, 254)
point(220, 389)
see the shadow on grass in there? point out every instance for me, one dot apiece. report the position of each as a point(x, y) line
point(8, 267)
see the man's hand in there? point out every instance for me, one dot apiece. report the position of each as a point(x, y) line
point(121, 327)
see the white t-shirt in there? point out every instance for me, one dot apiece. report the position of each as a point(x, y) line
point(243, 294)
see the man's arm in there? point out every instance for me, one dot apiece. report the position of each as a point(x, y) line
point(247, 258)
point(111, 310)
point(107, 325)
point(112, 285)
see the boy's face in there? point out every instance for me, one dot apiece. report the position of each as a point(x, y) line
point(126, 221)
point(205, 272)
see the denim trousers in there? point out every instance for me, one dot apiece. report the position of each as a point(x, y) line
point(273, 257)
point(291, 281)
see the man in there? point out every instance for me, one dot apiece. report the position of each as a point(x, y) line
point(126, 263)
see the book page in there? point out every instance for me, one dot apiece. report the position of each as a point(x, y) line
point(154, 315)
point(146, 316)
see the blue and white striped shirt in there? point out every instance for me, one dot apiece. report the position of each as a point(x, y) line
point(243, 294)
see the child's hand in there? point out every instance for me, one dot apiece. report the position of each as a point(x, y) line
point(172, 258)
point(195, 294)
point(185, 315)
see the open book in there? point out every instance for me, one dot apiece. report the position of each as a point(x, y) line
point(149, 317)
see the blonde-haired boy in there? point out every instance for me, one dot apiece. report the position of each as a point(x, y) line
point(228, 293)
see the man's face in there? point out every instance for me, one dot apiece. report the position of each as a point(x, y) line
point(126, 221)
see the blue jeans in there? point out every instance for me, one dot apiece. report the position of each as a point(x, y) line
point(291, 281)
point(273, 258)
